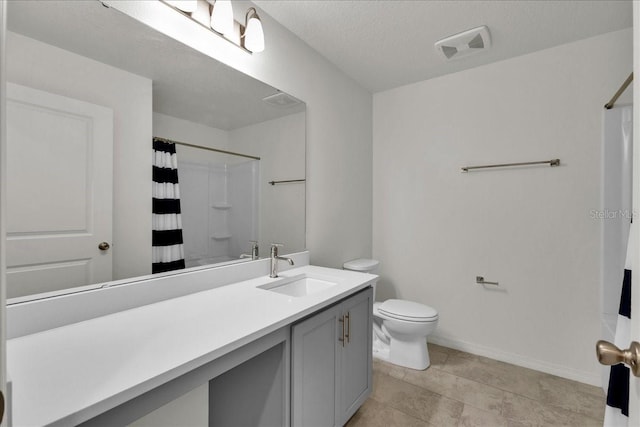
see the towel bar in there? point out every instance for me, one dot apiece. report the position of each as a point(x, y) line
point(480, 280)
point(552, 162)
point(286, 181)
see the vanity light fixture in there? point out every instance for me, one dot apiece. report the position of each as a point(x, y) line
point(217, 16)
point(222, 17)
point(252, 38)
point(187, 6)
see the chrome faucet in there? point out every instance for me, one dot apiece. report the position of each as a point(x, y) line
point(275, 258)
point(254, 251)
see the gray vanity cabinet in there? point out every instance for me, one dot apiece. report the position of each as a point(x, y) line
point(355, 356)
point(331, 362)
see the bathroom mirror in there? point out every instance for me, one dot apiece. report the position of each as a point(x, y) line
point(88, 90)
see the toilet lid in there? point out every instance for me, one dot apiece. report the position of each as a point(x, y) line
point(361, 264)
point(407, 310)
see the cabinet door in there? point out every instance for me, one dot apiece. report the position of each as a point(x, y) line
point(314, 368)
point(355, 356)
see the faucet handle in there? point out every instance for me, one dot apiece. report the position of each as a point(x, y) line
point(274, 249)
point(255, 251)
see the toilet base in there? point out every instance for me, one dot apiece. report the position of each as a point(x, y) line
point(409, 354)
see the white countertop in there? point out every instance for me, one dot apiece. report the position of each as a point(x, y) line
point(70, 374)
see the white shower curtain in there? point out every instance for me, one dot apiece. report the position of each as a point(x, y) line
point(617, 409)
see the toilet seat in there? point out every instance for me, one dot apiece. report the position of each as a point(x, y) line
point(408, 311)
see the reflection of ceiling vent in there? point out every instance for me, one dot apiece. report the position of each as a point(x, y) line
point(465, 43)
point(281, 99)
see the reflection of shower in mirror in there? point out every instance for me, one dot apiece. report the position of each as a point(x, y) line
point(219, 209)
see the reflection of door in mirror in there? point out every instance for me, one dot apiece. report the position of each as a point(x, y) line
point(60, 150)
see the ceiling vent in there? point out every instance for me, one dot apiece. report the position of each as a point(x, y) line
point(464, 44)
point(281, 99)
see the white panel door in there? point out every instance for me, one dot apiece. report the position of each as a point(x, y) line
point(59, 191)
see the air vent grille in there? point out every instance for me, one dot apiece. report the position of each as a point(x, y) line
point(282, 100)
point(464, 44)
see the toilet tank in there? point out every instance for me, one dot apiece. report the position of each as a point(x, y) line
point(363, 265)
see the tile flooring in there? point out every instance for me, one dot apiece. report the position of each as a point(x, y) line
point(461, 389)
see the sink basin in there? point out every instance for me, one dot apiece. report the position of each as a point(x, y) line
point(298, 286)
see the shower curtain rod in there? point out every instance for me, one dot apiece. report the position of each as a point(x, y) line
point(625, 85)
point(207, 148)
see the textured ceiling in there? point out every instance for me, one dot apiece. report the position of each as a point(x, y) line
point(389, 43)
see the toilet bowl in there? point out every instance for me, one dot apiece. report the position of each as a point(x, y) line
point(400, 327)
point(400, 330)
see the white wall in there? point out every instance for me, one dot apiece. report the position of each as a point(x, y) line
point(280, 145)
point(435, 229)
point(45, 67)
point(339, 124)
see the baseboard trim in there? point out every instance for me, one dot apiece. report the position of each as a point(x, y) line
point(519, 360)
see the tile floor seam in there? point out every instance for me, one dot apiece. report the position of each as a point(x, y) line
point(453, 398)
point(540, 401)
point(503, 389)
point(485, 384)
point(548, 405)
point(508, 403)
point(397, 408)
point(400, 410)
point(458, 399)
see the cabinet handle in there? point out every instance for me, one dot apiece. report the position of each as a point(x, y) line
point(348, 321)
point(341, 339)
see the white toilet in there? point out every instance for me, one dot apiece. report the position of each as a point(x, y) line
point(400, 327)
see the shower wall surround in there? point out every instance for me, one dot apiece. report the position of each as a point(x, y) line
point(281, 215)
point(219, 203)
point(436, 229)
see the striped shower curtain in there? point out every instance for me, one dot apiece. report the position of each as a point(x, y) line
point(168, 248)
point(617, 409)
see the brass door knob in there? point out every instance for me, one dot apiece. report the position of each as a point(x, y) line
point(609, 354)
point(103, 246)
